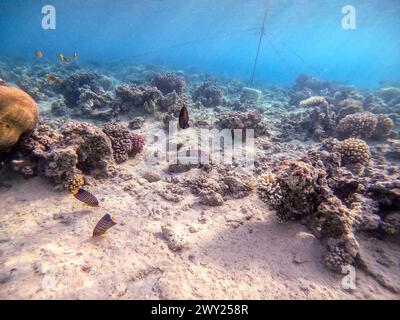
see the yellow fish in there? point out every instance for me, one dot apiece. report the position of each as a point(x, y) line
point(38, 54)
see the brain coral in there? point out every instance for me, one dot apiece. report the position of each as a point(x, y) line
point(358, 125)
point(18, 115)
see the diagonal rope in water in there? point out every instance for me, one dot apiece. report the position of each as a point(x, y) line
point(262, 33)
point(188, 43)
point(293, 52)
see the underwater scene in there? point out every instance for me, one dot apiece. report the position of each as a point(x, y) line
point(169, 149)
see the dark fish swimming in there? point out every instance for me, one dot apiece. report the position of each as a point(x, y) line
point(63, 57)
point(103, 225)
point(86, 197)
point(184, 118)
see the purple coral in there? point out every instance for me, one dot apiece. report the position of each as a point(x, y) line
point(138, 143)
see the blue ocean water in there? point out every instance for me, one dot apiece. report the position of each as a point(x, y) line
point(221, 37)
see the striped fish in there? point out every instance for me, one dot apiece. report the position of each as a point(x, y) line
point(103, 225)
point(86, 197)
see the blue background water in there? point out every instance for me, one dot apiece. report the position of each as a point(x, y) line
point(307, 36)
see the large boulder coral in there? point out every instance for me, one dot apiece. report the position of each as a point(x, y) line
point(18, 115)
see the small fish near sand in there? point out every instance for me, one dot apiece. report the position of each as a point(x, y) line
point(38, 54)
point(75, 56)
point(54, 79)
point(63, 57)
point(184, 118)
point(86, 197)
point(104, 224)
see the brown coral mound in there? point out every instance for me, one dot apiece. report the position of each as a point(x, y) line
point(354, 151)
point(383, 127)
point(18, 115)
point(299, 189)
point(313, 102)
point(208, 94)
point(243, 120)
point(120, 139)
point(61, 155)
point(168, 83)
point(349, 106)
point(359, 125)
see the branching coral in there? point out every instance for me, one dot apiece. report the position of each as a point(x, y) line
point(359, 125)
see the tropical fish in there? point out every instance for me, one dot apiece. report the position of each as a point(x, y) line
point(54, 79)
point(75, 56)
point(86, 197)
point(38, 54)
point(184, 118)
point(104, 224)
point(63, 57)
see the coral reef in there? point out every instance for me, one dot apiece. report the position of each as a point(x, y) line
point(359, 125)
point(349, 106)
point(384, 126)
point(208, 94)
point(353, 151)
point(120, 139)
point(61, 155)
point(243, 120)
point(132, 99)
point(18, 115)
point(168, 83)
point(313, 102)
point(137, 144)
point(299, 189)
